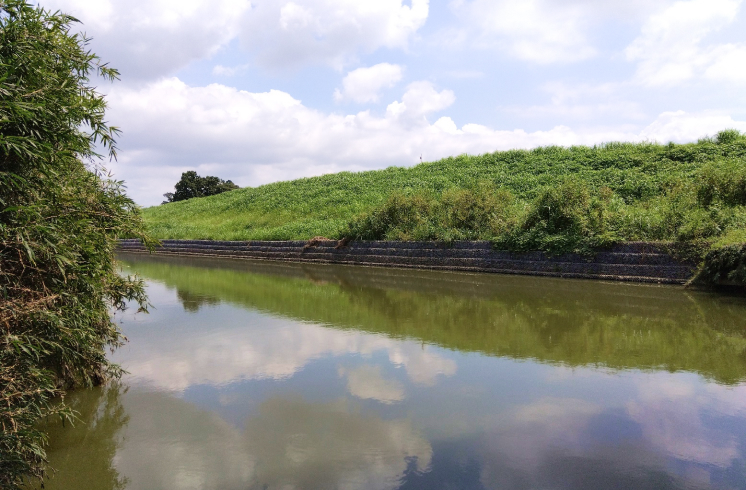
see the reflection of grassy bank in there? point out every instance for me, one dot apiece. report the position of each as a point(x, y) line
point(570, 322)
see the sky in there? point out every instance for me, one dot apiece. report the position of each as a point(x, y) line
point(267, 90)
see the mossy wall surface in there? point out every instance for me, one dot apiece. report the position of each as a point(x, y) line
point(636, 262)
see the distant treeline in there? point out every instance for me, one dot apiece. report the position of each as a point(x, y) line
point(554, 199)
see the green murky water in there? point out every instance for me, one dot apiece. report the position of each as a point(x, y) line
point(254, 375)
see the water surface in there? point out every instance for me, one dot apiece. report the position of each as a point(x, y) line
point(254, 375)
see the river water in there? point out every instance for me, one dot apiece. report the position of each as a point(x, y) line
point(261, 375)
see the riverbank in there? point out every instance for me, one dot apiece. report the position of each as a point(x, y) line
point(632, 262)
point(577, 200)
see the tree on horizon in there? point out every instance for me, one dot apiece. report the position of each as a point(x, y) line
point(192, 185)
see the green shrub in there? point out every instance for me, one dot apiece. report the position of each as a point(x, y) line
point(729, 136)
point(565, 218)
point(699, 224)
point(561, 208)
point(401, 217)
point(722, 181)
point(675, 215)
point(477, 213)
point(483, 212)
point(724, 266)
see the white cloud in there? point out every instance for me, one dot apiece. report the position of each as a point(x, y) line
point(680, 126)
point(670, 49)
point(364, 84)
point(419, 100)
point(543, 31)
point(289, 34)
point(446, 125)
point(532, 30)
point(146, 39)
point(728, 63)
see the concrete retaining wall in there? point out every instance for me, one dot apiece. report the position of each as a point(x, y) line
point(633, 261)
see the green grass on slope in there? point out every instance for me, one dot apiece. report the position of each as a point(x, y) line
point(552, 198)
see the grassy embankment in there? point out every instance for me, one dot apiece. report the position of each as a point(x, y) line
point(552, 198)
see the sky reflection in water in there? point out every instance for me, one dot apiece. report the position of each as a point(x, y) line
point(260, 375)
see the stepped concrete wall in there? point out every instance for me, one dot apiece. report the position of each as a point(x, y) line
point(632, 261)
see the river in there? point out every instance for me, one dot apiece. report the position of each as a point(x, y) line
point(262, 375)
